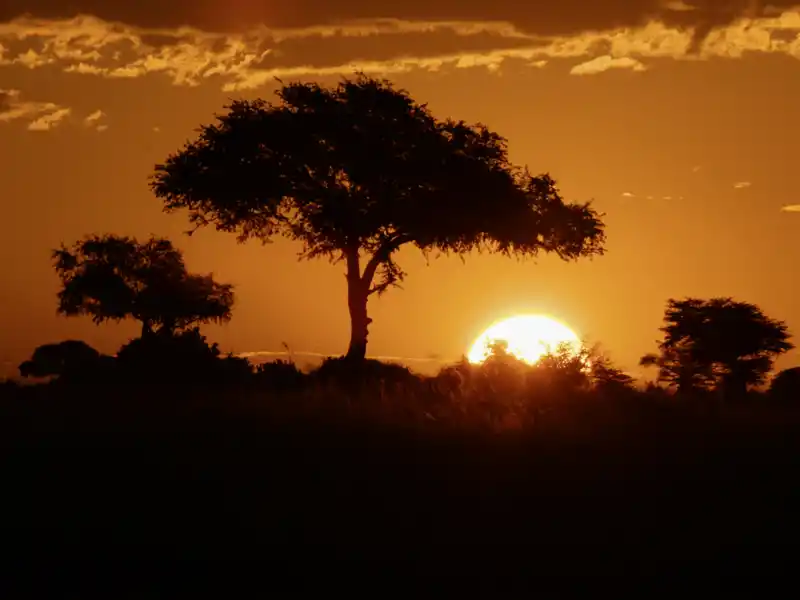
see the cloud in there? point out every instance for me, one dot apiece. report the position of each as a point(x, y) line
point(93, 121)
point(628, 195)
point(41, 116)
point(740, 185)
point(604, 63)
point(790, 208)
point(678, 5)
point(249, 43)
point(319, 355)
point(94, 117)
point(556, 18)
point(47, 121)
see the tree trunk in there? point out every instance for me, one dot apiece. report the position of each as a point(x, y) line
point(359, 321)
point(357, 296)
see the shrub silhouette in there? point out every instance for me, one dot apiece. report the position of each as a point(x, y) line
point(357, 171)
point(114, 278)
point(181, 358)
point(717, 344)
point(503, 386)
point(280, 375)
point(70, 360)
point(785, 386)
point(609, 380)
point(369, 373)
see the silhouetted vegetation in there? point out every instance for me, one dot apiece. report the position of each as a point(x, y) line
point(358, 171)
point(717, 344)
point(71, 360)
point(111, 278)
point(171, 440)
point(785, 386)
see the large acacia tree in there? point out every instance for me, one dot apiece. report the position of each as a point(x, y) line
point(112, 278)
point(359, 170)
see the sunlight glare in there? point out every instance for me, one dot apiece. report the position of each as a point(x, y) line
point(529, 337)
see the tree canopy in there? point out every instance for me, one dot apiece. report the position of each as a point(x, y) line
point(718, 343)
point(114, 278)
point(356, 171)
point(59, 359)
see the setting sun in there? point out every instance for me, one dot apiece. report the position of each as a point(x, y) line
point(529, 337)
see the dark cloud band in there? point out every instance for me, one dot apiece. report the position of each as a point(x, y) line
point(553, 17)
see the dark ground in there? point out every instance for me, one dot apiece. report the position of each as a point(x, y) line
point(98, 480)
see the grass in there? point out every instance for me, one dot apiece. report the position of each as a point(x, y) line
point(384, 475)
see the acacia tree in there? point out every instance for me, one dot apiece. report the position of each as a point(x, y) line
point(718, 343)
point(357, 171)
point(111, 278)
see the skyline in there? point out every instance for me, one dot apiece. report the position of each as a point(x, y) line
point(676, 134)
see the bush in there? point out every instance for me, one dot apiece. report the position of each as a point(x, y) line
point(182, 358)
point(785, 386)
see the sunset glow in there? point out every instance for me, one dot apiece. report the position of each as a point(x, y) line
point(529, 337)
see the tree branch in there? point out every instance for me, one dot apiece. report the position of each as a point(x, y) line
point(381, 255)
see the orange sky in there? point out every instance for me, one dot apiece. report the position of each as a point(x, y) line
point(677, 118)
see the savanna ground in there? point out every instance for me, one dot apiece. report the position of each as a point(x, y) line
point(391, 473)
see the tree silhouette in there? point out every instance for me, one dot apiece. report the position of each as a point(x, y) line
point(678, 368)
point(718, 342)
point(114, 278)
point(63, 358)
point(607, 378)
point(357, 171)
point(183, 357)
point(785, 385)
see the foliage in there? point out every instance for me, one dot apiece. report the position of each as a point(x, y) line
point(785, 386)
point(357, 171)
point(718, 343)
point(184, 357)
point(679, 369)
point(70, 359)
point(114, 278)
point(609, 379)
point(369, 374)
point(279, 374)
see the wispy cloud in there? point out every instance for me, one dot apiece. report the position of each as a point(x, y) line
point(41, 116)
point(48, 121)
point(678, 6)
point(791, 208)
point(604, 63)
point(740, 185)
point(318, 355)
point(651, 197)
point(94, 119)
point(90, 46)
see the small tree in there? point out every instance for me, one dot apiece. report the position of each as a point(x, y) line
point(679, 369)
point(607, 378)
point(111, 278)
point(719, 343)
point(785, 386)
point(64, 358)
point(357, 171)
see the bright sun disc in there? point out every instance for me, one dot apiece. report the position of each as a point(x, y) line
point(529, 337)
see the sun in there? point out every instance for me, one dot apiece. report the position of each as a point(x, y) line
point(529, 337)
